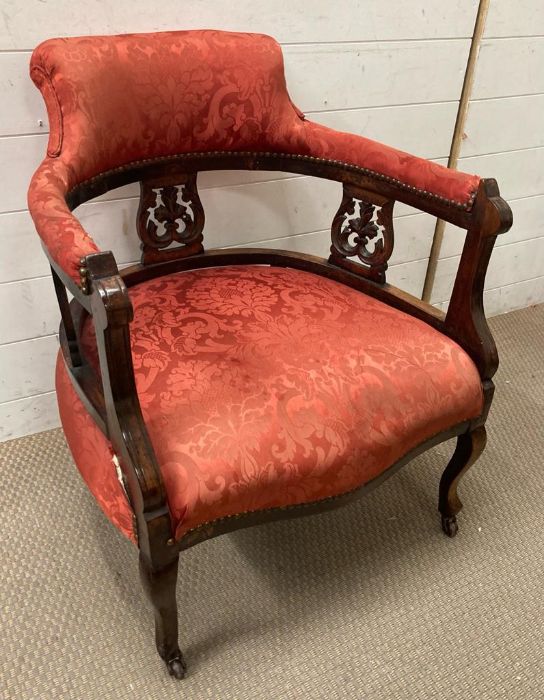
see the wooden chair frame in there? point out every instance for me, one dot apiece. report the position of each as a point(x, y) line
point(112, 399)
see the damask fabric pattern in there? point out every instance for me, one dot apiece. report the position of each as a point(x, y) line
point(113, 100)
point(264, 387)
point(93, 454)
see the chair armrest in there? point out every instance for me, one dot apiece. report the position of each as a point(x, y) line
point(112, 313)
point(65, 240)
point(400, 169)
point(465, 319)
point(112, 399)
point(468, 201)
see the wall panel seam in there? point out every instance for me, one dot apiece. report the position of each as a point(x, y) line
point(25, 398)
point(28, 340)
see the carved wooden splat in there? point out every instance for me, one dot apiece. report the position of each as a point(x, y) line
point(170, 218)
point(363, 229)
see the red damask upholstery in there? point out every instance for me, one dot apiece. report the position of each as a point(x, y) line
point(93, 454)
point(264, 386)
point(113, 100)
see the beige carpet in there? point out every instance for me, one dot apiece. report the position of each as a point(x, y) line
point(369, 602)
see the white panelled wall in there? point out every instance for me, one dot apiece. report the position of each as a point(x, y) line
point(504, 139)
point(392, 71)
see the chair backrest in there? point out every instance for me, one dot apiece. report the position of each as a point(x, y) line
point(158, 108)
point(113, 100)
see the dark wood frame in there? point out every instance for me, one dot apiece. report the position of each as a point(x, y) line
point(112, 400)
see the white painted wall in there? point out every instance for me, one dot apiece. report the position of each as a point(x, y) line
point(505, 140)
point(401, 66)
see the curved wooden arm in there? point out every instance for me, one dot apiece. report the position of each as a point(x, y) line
point(488, 217)
point(112, 313)
point(465, 319)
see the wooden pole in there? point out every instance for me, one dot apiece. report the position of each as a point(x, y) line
point(457, 139)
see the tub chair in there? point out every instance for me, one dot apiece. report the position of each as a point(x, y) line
point(205, 390)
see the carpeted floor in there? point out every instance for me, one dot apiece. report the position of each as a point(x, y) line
point(369, 602)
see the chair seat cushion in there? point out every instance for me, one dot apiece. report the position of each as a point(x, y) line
point(266, 386)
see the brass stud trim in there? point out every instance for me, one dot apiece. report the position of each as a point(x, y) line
point(83, 281)
point(465, 206)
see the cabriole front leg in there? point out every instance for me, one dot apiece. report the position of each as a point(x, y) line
point(469, 447)
point(160, 587)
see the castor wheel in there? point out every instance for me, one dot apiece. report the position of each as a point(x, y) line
point(176, 667)
point(449, 525)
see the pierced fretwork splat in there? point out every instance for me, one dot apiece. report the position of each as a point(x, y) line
point(363, 229)
point(170, 217)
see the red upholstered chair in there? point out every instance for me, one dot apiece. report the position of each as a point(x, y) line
point(204, 391)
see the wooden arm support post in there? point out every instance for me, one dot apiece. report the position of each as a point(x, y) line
point(465, 319)
point(112, 313)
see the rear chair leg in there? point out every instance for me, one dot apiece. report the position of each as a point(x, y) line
point(469, 447)
point(160, 586)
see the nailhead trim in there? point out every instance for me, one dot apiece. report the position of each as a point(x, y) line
point(278, 509)
point(466, 206)
point(83, 282)
point(292, 506)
